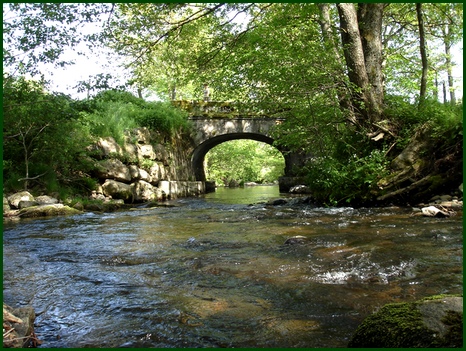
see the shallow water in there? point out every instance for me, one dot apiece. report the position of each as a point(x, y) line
point(214, 272)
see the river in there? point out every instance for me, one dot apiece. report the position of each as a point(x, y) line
point(214, 271)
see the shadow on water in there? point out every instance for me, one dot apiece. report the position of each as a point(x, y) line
point(213, 272)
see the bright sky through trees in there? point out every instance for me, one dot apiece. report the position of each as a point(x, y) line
point(103, 61)
point(64, 79)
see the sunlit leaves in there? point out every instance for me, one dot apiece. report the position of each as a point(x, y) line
point(243, 161)
point(36, 33)
point(443, 26)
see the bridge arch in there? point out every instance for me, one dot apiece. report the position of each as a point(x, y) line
point(202, 149)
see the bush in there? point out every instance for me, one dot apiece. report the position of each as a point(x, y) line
point(42, 134)
point(162, 117)
point(112, 112)
point(333, 182)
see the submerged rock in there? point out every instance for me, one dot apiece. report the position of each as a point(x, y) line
point(431, 322)
point(294, 240)
point(276, 202)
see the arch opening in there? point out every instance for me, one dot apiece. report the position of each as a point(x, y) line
point(201, 151)
point(243, 162)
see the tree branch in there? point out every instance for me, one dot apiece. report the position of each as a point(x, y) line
point(179, 25)
point(32, 178)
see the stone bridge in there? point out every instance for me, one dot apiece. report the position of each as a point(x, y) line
point(217, 122)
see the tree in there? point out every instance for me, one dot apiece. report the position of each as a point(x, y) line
point(362, 46)
point(447, 26)
point(41, 133)
point(422, 48)
point(403, 66)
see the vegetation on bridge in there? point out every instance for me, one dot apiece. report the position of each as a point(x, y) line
point(357, 85)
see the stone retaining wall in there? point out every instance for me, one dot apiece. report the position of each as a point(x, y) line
point(143, 169)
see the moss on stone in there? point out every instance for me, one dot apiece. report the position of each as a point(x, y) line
point(404, 325)
point(47, 210)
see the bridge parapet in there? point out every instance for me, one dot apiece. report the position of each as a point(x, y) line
point(215, 109)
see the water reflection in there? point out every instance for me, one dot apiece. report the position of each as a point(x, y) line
point(212, 273)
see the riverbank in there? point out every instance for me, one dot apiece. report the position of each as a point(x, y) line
point(24, 205)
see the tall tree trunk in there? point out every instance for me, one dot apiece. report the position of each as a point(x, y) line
point(422, 47)
point(370, 28)
point(173, 92)
point(364, 97)
point(448, 64)
point(444, 93)
point(327, 35)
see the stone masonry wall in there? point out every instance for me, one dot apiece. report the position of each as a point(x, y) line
point(144, 169)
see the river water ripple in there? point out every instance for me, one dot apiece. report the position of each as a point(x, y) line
point(215, 272)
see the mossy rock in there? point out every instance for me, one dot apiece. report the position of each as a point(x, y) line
point(431, 322)
point(47, 210)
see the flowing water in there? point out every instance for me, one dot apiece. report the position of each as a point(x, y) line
point(215, 272)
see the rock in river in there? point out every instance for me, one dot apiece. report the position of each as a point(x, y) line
point(47, 210)
point(432, 322)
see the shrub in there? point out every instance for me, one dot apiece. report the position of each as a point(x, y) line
point(335, 182)
point(112, 112)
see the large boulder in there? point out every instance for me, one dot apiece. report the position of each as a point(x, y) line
point(431, 322)
point(147, 151)
point(113, 169)
point(132, 152)
point(117, 190)
point(24, 204)
point(138, 136)
point(6, 205)
point(157, 172)
point(143, 191)
point(161, 153)
point(139, 174)
point(106, 147)
point(47, 210)
point(46, 200)
point(16, 198)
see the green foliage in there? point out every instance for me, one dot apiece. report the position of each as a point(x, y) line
point(445, 121)
point(112, 112)
point(163, 117)
point(42, 134)
point(348, 181)
point(243, 161)
point(111, 119)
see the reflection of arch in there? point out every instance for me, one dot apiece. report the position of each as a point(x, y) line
point(201, 150)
